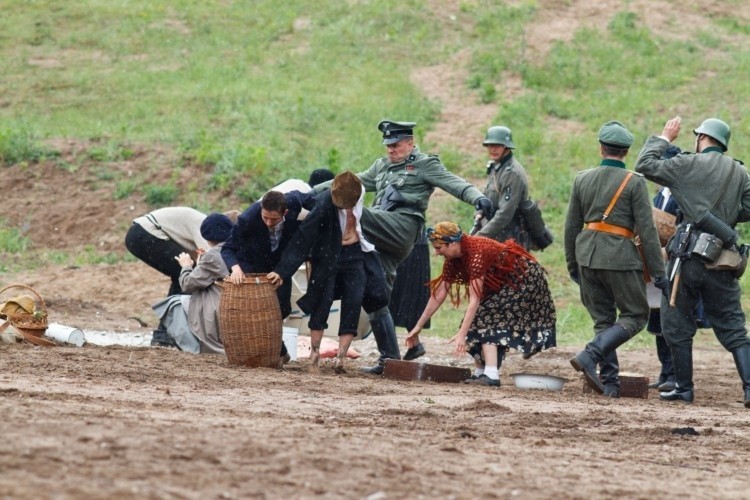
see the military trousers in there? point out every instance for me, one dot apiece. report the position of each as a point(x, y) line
point(393, 234)
point(604, 292)
point(721, 305)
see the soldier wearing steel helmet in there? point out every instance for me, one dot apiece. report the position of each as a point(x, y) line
point(507, 186)
point(403, 182)
point(713, 192)
point(608, 205)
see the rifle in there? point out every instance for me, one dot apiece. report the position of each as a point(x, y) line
point(681, 251)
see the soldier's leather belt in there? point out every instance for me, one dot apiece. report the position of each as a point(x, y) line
point(605, 227)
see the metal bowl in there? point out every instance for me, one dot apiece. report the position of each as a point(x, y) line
point(538, 381)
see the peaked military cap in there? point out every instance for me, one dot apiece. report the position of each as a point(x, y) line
point(613, 134)
point(396, 131)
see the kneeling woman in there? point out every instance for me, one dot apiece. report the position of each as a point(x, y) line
point(510, 305)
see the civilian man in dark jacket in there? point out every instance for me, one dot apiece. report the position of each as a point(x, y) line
point(258, 239)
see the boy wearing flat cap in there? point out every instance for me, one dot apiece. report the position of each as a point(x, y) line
point(344, 265)
point(403, 182)
point(608, 204)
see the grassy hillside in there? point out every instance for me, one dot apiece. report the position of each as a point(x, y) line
point(260, 91)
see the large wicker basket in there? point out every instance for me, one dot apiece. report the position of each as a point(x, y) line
point(250, 322)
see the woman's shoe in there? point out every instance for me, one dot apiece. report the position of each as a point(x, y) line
point(414, 352)
point(484, 380)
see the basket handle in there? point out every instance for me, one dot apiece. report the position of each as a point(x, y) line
point(20, 285)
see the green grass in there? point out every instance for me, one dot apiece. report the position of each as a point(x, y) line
point(260, 94)
point(12, 241)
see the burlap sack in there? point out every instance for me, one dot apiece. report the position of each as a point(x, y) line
point(665, 224)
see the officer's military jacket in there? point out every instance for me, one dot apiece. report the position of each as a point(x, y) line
point(415, 179)
point(697, 180)
point(507, 187)
point(592, 192)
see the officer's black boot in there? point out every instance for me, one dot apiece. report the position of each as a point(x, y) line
point(609, 371)
point(384, 332)
point(605, 343)
point(682, 357)
point(742, 360)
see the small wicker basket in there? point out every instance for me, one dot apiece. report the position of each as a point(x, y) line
point(250, 322)
point(30, 323)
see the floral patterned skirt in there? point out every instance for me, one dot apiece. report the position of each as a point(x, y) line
point(520, 317)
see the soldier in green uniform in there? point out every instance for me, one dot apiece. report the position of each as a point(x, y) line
point(713, 192)
point(507, 187)
point(603, 259)
point(403, 182)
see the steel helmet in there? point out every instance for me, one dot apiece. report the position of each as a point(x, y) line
point(499, 135)
point(716, 129)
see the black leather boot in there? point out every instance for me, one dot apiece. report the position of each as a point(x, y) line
point(682, 356)
point(609, 371)
point(596, 351)
point(384, 332)
point(742, 360)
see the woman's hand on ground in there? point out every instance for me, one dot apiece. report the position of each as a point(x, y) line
point(460, 340)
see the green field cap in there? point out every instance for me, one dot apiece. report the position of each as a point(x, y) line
point(613, 134)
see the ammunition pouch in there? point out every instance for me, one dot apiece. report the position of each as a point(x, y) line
point(539, 234)
point(706, 247)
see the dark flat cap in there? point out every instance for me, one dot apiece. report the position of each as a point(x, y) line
point(216, 227)
point(396, 131)
point(319, 176)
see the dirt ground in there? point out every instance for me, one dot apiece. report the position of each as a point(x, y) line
point(117, 422)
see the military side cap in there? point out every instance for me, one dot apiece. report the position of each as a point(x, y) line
point(613, 134)
point(346, 190)
point(396, 131)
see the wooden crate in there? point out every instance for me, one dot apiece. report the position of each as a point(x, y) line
point(631, 386)
point(409, 370)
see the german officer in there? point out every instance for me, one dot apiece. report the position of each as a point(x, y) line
point(607, 205)
point(403, 182)
point(507, 187)
point(713, 192)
